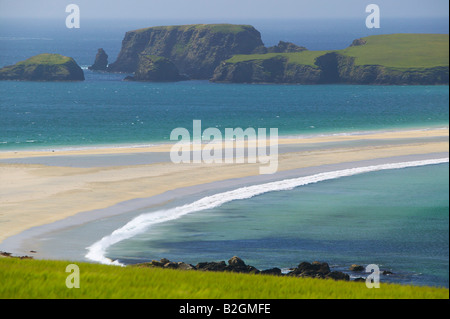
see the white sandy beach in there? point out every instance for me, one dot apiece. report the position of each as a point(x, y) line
point(33, 195)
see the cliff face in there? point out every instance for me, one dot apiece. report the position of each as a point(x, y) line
point(349, 72)
point(44, 67)
point(155, 69)
point(274, 70)
point(196, 50)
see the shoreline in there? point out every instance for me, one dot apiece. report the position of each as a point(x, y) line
point(91, 194)
point(164, 146)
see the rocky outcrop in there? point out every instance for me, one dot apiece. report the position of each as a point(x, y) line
point(285, 47)
point(196, 50)
point(44, 67)
point(101, 61)
point(155, 69)
point(317, 270)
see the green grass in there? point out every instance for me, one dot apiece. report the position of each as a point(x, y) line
point(46, 58)
point(218, 28)
point(304, 57)
point(46, 279)
point(402, 51)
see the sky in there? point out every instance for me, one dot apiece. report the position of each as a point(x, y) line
point(222, 9)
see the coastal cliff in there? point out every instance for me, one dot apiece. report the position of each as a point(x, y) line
point(398, 59)
point(196, 50)
point(153, 68)
point(44, 67)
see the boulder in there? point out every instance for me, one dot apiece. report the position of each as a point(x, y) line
point(272, 271)
point(337, 275)
point(236, 262)
point(211, 266)
point(356, 268)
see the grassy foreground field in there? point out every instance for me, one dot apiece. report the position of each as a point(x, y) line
point(41, 279)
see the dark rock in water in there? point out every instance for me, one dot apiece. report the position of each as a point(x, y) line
point(44, 67)
point(156, 69)
point(272, 271)
point(387, 272)
point(171, 265)
point(359, 279)
point(314, 270)
point(184, 266)
point(338, 275)
point(236, 262)
point(101, 61)
point(357, 268)
point(211, 266)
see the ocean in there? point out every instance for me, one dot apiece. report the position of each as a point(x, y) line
point(396, 218)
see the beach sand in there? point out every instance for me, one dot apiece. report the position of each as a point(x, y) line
point(34, 194)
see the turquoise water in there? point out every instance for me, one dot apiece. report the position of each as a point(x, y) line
point(397, 219)
point(106, 111)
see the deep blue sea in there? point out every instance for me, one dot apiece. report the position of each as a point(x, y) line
point(398, 218)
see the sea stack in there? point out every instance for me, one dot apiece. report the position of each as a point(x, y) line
point(101, 61)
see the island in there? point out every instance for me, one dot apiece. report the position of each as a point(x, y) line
point(44, 67)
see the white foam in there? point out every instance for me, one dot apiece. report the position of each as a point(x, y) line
point(141, 223)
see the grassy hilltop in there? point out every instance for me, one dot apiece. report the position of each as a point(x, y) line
point(402, 51)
